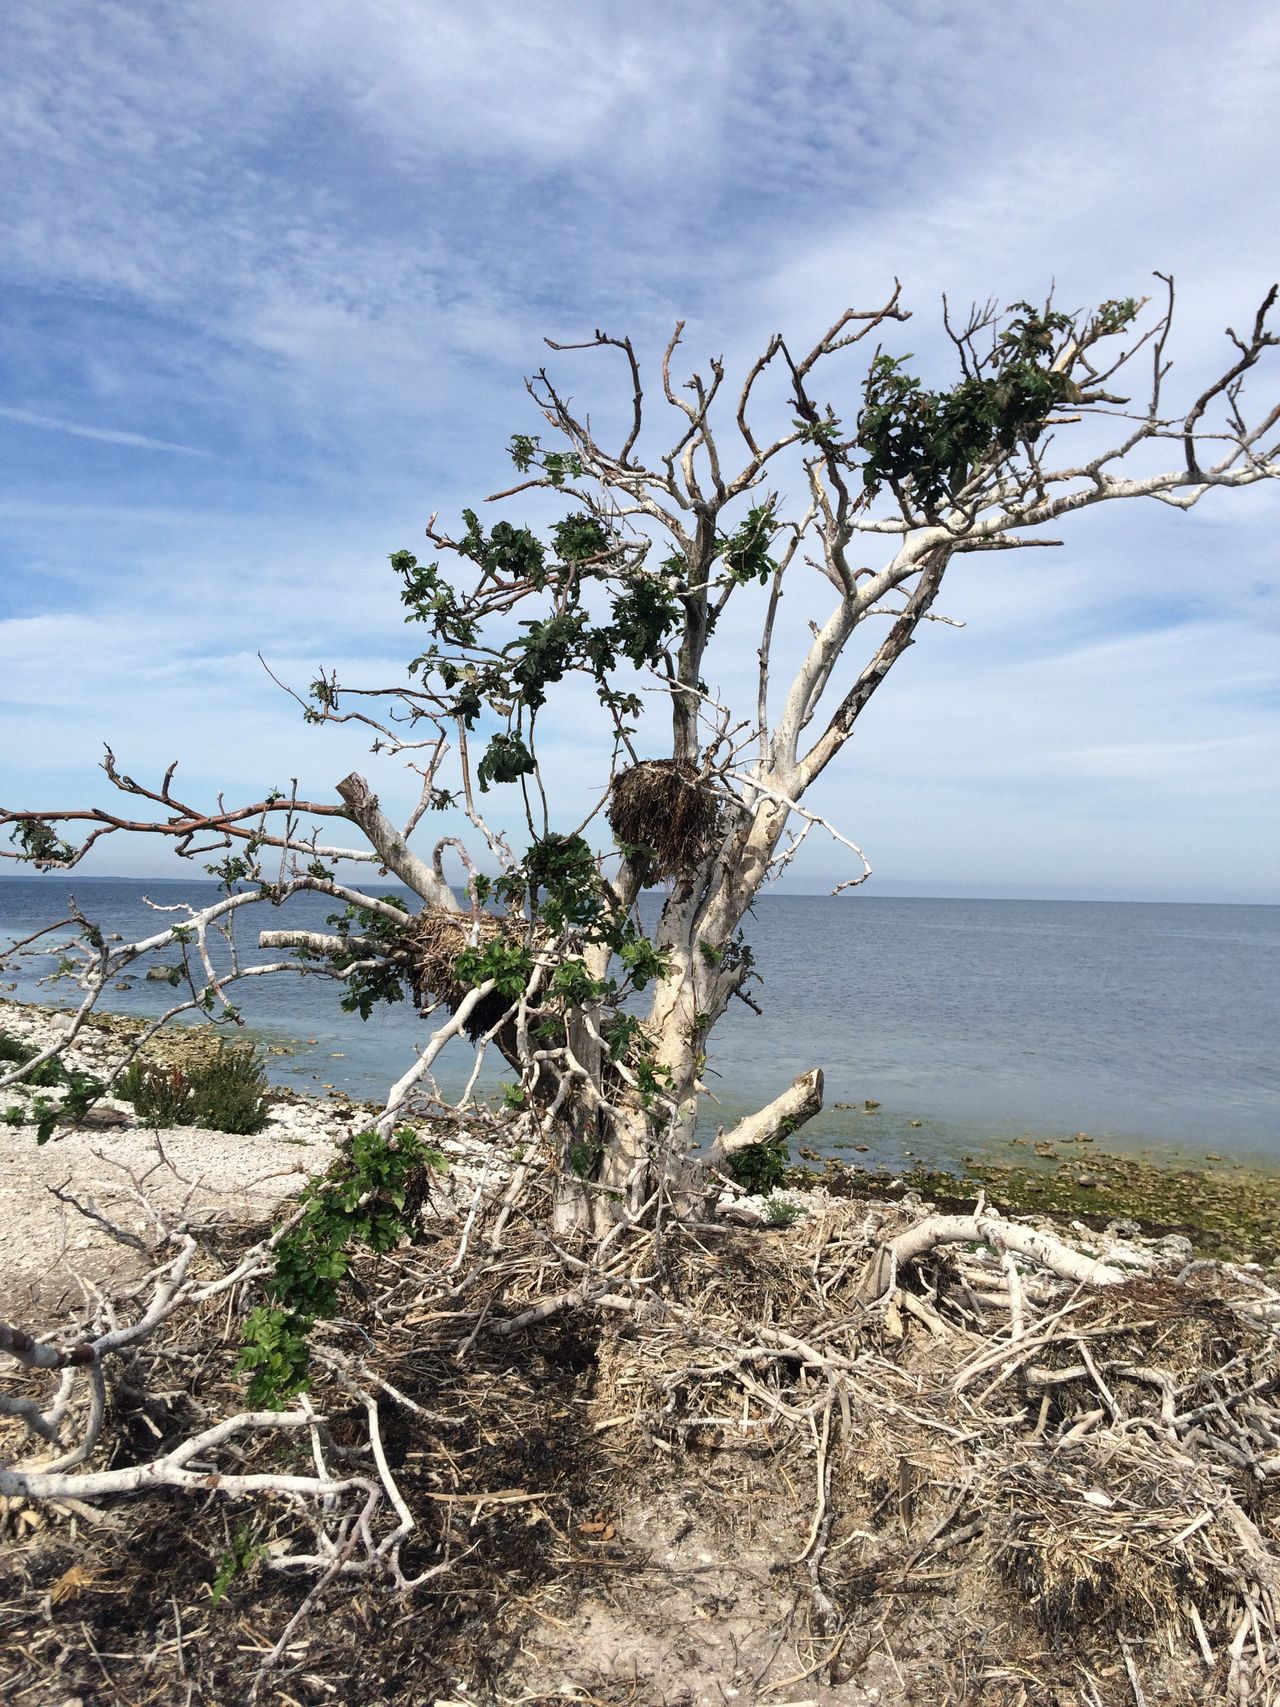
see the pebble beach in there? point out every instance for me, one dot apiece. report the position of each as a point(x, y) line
point(54, 1253)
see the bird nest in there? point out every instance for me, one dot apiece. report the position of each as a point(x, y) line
point(666, 808)
point(434, 942)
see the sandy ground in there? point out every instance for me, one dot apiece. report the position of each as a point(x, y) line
point(52, 1253)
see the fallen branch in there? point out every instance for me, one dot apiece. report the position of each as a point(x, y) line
point(897, 1253)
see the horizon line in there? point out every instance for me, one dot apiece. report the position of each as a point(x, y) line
point(816, 893)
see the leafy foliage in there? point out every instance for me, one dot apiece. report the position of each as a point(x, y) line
point(14, 1050)
point(579, 537)
point(651, 1078)
point(385, 979)
point(760, 1167)
point(40, 844)
point(558, 466)
point(509, 964)
point(364, 1199)
point(81, 1090)
point(937, 440)
point(645, 612)
point(236, 868)
point(559, 881)
point(746, 551)
point(231, 1092)
point(505, 759)
point(512, 682)
point(563, 881)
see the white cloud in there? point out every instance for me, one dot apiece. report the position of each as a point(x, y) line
point(104, 435)
point(321, 249)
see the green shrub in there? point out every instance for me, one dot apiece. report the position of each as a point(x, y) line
point(162, 1096)
point(760, 1168)
point(367, 1198)
point(227, 1092)
point(230, 1090)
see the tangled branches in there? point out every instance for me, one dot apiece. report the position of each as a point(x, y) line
point(1101, 1462)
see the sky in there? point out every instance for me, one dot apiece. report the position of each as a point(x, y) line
point(272, 277)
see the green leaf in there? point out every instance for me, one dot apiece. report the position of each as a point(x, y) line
point(505, 759)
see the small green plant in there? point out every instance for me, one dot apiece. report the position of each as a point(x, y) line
point(363, 1200)
point(760, 1168)
point(240, 1558)
point(161, 1096)
point(230, 1090)
point(584, 1158)
point(779, 1213)
point(651, 1079)
point(81, 1090)
point(19, 1053)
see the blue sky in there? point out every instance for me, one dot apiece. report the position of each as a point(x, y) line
point(272, 276)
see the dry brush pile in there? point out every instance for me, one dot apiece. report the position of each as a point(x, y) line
point(1017, 1487)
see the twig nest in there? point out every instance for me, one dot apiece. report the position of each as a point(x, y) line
point(1112, 1534)
point(667, 808)
point(433, 941)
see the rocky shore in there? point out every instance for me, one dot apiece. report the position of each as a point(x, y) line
point(1218, 1208)
point(1222, 1209)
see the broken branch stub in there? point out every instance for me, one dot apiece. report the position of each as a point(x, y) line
point(388, 843)
point(801, 1100)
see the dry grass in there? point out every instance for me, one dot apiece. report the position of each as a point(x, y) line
point(731, 1460)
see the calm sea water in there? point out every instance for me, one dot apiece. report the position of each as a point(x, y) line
point(982, 1020)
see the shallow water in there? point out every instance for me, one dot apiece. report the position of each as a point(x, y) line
point(1143, 1024)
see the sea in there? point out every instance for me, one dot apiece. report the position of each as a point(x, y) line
point(945, 1028)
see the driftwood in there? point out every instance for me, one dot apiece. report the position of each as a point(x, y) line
point(937, 1230)
point(1071, 1422)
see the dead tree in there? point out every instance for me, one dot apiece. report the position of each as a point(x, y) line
point(605, 1023)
